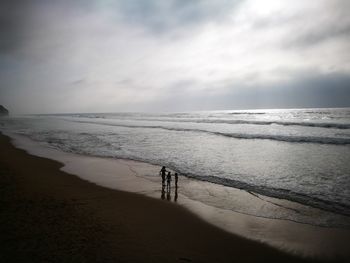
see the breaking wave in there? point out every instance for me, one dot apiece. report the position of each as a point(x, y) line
point(283, 138)
point(283, 123)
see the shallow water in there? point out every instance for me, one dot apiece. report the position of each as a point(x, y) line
point(298, 155)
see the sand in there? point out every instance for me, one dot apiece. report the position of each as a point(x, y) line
point(51, 216)
point(276, 222)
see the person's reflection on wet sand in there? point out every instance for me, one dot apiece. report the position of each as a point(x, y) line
point(176, 179)
point(175, 197)
point(168, 195)
point(162, 173)
point(163, 192)
point(168, 182)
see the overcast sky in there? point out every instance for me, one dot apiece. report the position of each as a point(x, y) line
point(173, 55)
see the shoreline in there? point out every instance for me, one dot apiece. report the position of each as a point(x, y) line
point(275, 232)
point(55, 216)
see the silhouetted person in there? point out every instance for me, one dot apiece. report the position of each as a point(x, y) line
point(168, 181)
point(176, 179)
point(162, 173)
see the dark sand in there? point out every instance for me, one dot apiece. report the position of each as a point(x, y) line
point(47, 215)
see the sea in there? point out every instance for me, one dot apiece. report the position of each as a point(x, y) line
point(300, 155)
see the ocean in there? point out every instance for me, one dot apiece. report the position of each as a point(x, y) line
point(301, 155)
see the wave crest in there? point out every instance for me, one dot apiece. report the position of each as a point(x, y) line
point(283, 138)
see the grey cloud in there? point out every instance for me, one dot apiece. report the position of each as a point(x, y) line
point(321, 34)
point(78, 81)
point(12, 17)
point(309, 26)
point(159, 16)
point(19, 19)
point(305, 91)
point(277, 20)
point(314, 90)
point(182, 85)
point(54, 70)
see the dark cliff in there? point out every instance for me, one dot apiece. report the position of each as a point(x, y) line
point(3, 111)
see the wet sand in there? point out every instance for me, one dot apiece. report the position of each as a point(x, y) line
point(48, 215)
point(272, 221)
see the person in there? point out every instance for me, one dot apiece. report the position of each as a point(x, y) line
point(176, 179)
point(168, 180)
point(162, 173)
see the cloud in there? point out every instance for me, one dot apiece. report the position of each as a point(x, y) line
point(321, 34)
point(11, 30)
point(331, 23)
point(153, 55)
point(163, 16)
point(303, 91)
point(307, 23)
point(21, 22)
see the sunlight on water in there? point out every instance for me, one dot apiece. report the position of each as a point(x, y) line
point(299, 155)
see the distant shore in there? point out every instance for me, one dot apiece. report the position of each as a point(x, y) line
point(49, 215)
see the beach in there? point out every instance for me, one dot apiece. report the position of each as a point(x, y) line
point(50, 216)
point(175, 131)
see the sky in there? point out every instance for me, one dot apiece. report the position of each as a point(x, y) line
point(173, 55)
